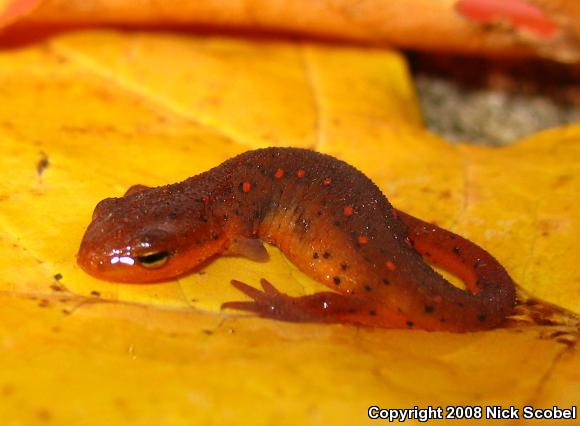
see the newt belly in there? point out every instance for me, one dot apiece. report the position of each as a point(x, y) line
point(327, 217)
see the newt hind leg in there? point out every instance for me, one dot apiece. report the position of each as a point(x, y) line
point(318, 307)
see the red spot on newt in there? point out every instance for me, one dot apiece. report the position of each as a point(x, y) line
point(279, 173)
point(327, 181)
point(362, 239)
point(519, 13)
point(163, 234)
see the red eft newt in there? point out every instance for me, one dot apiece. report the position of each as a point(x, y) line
point(327, 217)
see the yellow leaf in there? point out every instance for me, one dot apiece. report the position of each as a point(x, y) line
point(85, 115)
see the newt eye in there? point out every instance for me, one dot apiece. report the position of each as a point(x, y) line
point(153, 260)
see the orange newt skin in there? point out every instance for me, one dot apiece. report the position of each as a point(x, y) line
point(327, 217)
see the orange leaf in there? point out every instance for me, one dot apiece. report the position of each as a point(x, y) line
point(510, 27)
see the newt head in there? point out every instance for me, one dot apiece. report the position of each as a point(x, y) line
point(150, 235)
